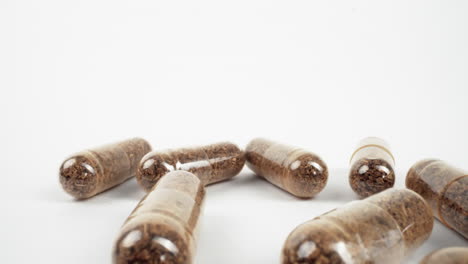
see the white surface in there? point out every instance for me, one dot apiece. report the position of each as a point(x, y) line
point(318, 74)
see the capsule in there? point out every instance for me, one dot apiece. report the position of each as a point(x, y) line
point(163, 226)
point(371, 167)
point(383, 228)
point(93, 171)
point(212, 163)
point(445, 188)
point(451, 255)
point(292, 169)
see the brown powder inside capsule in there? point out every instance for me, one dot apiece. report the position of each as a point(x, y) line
point(226, 160)
point(307, 175)
point(78, 175)
point(371, 167)
point(135, 150)
point(162, 228)
point(212, 163)
point(454, 205)
point(379, 229)
point(254, 155)
point(431, 180)
point(153, 166)
point(445, 188)
point(314, 242)
point(292, 169)
point(157, 164)
point(90, 172)
point(410, 211)
point(194, 160)
point(419, 185)
point(370, 176)
point(352, 234)
point(372, 234)
point(273, 169)
point(157, 244)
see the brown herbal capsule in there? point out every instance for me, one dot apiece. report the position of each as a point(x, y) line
point(292, 169)
point(163, 226)
point(451, 255)
point(445, 189)
point(93, 171)
point(212, 163)
point(372, 167)
point(383, 228)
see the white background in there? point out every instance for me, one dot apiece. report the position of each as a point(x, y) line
point(317, 74)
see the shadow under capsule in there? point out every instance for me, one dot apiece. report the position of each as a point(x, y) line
point(337, 188)
point(251, 185)
point(128, 190)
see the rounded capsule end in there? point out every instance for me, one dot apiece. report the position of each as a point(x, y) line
point(308, 175)
point(151, 169)
point(79, 176)
point(315, 241)
point(151, 243)
point(413, 176)
point(371, 176)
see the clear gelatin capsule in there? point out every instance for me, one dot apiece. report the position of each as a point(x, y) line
point(295, 170)
point(371, 167)
point(383, 228)
point(92, 171)
point(163, 226)
point(451, 255)
point(445, 188)
point(211, 163)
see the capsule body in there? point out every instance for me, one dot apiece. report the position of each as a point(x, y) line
point(163, 226)
point(292, 169)
point(90, 172)
point(383, 228)
point(211, 163)
point(445, 188)
point(371, 167)
point(451, 255)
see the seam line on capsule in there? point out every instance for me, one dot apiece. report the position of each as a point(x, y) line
point(212, 167)
point(383, 211)
point(439, 202)
point(169, 215)
point(100, 169)
point(372, 145)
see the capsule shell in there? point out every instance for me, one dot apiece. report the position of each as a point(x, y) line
point(445, 189)
point(93, 171)
point(410, 211)
point(379, 229)
point(292, 169)
point(163, 227)
point(451, 255)
point(371, 167)
point(211, 163)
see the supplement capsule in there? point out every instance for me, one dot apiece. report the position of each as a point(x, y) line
point(451, 255)
point(445, 188)
point(372, 166)
point(212, 163)
point(295, 170)
point(382, 228)
point(90, 172)
point(163, 226)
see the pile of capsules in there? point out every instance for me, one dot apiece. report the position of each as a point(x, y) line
point(384, 227)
